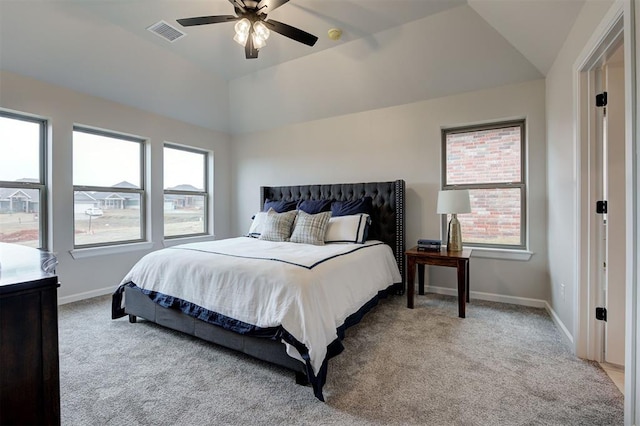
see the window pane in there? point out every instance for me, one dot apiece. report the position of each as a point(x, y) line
point(19, 216)
point(100, 160)
point(19, 150)
point(106, 217)
point(484, 156)
point(184, 215)
point(183, 170)
point(495, 217)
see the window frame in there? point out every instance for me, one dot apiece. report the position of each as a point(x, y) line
point(204, 193)
point(522, 184)
point(140, 191)
point(41, 186)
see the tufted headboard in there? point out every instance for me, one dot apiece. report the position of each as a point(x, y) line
point(387, 217)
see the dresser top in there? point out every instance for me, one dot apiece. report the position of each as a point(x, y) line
point(20, 264)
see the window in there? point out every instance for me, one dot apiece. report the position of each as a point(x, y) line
point(108, 188)
point(23, 204)
point(185, 192)
point(488, 161)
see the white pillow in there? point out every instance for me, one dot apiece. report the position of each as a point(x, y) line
point(258, 223)
point(348, 229)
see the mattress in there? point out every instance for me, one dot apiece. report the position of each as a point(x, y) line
point(298, 293)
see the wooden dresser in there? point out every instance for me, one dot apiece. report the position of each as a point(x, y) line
point(29, 367)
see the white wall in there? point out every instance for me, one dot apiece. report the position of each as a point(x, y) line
point(562, 182)
point(404, 142)
point(128, 67)
point(63, 108)
point(454, 51)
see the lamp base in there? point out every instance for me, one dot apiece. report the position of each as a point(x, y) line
point(454, 239)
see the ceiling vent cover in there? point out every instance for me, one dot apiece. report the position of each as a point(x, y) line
point(166, 31)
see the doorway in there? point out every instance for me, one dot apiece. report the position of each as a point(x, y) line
point(610, 176)
point(612, 173)
point(603, 227)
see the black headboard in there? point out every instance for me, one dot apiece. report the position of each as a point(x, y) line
point(387, 217)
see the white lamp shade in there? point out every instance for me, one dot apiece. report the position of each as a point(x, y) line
point(261, 29)
point(453, 201)
point(241, 38)
point(258, 42)
point(243, 26)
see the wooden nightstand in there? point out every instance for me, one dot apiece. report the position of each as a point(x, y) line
point(459, 260)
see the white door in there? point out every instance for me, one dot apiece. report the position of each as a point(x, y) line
point(611, 248)
point(616, 232)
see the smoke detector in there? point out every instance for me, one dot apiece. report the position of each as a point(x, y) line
point(335, 34)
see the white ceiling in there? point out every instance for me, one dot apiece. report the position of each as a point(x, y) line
point(102, 47)
point(212, 48)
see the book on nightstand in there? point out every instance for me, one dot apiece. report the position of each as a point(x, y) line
point(429, 245)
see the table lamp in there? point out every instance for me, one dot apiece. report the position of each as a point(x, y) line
point(454, 202)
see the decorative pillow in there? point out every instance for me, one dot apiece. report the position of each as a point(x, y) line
point(258, 223)
point(310, 228)
point(314, 206)
point(277, 226)
point(348, 229)
point(279, 206)
point(351, 207)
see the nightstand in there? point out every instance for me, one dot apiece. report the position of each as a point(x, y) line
point(454, 259)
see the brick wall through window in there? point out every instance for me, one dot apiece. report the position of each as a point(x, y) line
point(488, 161)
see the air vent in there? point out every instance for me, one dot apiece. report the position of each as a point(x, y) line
point(166, 31)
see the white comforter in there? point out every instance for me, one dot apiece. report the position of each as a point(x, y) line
point(268, 284)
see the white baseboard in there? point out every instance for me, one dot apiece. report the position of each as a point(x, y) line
point(560, 325)
point(492, 297)
point(85, 295)
point(523, 301)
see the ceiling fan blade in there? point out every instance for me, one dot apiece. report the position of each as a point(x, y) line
point(238, 4)
point(204, 20)
point(250, 52)
point(269, 5)
point(291, 32)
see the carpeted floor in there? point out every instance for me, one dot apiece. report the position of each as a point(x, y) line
point(502, 365)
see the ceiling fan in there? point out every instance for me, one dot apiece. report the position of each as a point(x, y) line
point(252, 26)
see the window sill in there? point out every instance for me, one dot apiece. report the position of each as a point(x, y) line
point(82, 253)
point(504, 254)
point(183, 240)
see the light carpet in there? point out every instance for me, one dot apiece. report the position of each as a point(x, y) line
point(502, 365)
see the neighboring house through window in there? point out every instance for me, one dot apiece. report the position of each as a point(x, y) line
point(186, 195)
point(108, 188)
point(23, 212)
point(489, 161)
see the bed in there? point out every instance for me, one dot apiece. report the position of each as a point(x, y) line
point(294, 311)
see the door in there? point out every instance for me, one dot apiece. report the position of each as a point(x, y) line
point(611, 185)
point(616, 223)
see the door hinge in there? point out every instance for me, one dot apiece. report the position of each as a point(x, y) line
point(601, 207)
point(601, 314)
point(601, 99)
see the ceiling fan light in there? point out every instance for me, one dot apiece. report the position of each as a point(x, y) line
point(241, 38)
point(258, 42)
point(261, 29)
point(243, 26)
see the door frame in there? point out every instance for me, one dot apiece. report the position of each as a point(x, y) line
point(618, 24)
point(589, 332)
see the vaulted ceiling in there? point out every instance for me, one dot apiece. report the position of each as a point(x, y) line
point(391, 52)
